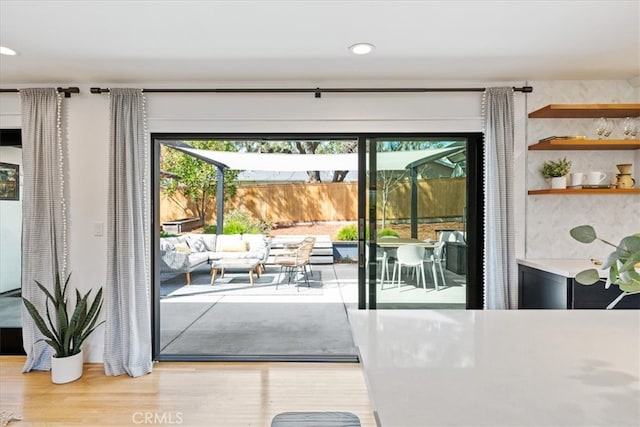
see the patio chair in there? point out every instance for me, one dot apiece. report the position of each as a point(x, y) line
point(410, 256)
point(381, 258)
point(294, 259)
point(437, 258)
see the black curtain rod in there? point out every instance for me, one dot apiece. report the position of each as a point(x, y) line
point(66, 90)
point(318, 91)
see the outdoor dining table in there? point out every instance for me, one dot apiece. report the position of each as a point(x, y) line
point(401, 241)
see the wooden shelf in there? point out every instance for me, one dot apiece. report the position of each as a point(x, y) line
point(586, 111)
point(587, 144)
point(587, 191)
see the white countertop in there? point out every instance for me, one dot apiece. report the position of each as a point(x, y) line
point(563, 267)
point(501, 367)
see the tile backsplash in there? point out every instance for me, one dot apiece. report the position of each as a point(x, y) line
point(550, 217)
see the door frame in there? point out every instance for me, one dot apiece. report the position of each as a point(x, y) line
point(475, 198)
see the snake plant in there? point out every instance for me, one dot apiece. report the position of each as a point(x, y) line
point(67, 333)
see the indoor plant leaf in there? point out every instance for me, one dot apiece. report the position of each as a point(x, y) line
point(588, 277)
point(628, 246)
point(583, 233)
point(68, 332)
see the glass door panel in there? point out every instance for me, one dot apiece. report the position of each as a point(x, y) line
point(416, 208)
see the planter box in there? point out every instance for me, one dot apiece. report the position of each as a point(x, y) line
point(345, 249)
point(180, 225)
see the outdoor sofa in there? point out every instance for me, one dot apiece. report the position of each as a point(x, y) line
point(185, 253)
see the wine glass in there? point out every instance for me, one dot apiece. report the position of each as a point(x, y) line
point(608, 129)
point(601, 127)
point(629, 127)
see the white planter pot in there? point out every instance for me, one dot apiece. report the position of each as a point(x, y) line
point(66, 369)
point(559, 182)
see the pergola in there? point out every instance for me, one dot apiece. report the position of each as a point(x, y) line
point(284, 162)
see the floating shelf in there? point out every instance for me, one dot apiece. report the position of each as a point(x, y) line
point(587, 191)
point(587, 144)
point(586, 111)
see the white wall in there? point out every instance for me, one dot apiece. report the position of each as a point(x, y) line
point(550, 217)
point(88, 133)
point(11, 228)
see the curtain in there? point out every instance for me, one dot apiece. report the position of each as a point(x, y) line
point(500, 270)
point(44, 225)
point(127, 297)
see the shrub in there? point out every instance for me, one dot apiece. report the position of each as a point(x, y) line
point(241, 222)
point(348, 232)
point(210, 229)
point(235, 227)
point(165, 234)
point(388, 232)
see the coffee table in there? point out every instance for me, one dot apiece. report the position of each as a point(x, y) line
point(249, 264)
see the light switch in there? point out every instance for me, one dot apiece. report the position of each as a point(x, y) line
point(98, 229)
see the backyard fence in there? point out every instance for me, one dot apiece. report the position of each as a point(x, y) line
point(335, 201)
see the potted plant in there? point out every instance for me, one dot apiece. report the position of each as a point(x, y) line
point(623, 263)
point(69, 330)
point(557, 172)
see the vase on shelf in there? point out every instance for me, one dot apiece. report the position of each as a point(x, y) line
point(558, 182)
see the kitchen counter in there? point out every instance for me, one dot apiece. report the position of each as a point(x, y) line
point(563, 267)
point(501, 367)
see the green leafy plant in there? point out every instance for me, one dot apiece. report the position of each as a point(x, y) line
point(240, 221)
point(210, 229)
point(67, 333)
point(555, 169)
point(388, 232)
point(623, 263)
point(348, 233)
point(165, 234)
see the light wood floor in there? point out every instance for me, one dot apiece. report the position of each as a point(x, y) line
point(184, 393)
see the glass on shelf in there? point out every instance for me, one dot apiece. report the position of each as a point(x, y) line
point(630, 128)
point(602, 127)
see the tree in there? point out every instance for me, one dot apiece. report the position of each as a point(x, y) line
point(387, 180)
point(197, 180)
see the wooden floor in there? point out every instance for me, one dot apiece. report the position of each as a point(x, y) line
point(184, 393)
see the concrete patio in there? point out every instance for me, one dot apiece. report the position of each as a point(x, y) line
point(277, 319)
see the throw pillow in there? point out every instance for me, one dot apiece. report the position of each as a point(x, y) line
point(235, 246)
point(196, 243)
point(166, 246)
point(209, 242)
point(183, 248)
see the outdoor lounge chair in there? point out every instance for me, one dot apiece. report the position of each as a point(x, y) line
point(295, 259)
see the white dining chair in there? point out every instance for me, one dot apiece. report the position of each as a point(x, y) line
point(381, 258)
point(437, 258)
point(410, 256)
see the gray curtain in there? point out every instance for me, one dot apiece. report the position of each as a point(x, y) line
point(500, 273)
point(44, 225)
point(127, 298)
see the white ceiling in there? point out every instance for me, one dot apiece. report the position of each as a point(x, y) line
point(117, 41)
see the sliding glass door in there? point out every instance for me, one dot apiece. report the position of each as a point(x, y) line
point(419, 197)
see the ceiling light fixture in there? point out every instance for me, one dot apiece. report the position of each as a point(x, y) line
point(361, 48)
point(6, 51)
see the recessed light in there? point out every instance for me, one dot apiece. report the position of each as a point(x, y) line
point(361, 48)
point(6, 51)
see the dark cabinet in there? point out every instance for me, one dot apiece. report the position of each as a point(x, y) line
point(456, 254)
point(541, 289)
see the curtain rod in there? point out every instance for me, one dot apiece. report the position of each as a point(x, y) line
point(66, 90)
point(318, 91)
